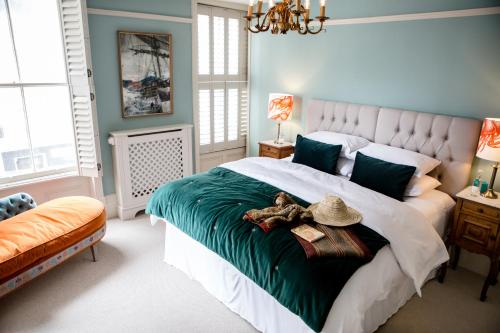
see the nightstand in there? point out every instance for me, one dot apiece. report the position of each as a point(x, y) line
point(476, 228)
point(275, 150)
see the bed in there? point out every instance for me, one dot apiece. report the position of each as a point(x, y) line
point(378, 289)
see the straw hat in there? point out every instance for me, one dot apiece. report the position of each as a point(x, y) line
point(333, 211)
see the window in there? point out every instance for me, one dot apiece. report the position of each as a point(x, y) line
point(36, 125)
point(222, 79)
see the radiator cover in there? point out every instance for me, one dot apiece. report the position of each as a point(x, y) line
point(145, 159)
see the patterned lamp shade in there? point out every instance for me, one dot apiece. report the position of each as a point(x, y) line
point(489, 141)
point(280, 107)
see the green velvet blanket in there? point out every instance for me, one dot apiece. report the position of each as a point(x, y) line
point(209, 207)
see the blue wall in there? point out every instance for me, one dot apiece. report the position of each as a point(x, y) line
point(446, 66)
point(103, 37)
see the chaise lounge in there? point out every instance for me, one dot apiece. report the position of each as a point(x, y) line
point(34, 239)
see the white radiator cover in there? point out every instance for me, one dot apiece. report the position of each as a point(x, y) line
point(144, 159)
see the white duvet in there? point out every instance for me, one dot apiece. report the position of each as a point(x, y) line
point(417, 247)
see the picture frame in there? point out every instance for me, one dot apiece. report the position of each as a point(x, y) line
point(146, 84)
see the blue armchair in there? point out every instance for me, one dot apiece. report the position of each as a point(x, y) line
point(15, 204)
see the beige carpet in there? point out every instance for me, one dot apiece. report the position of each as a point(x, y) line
point(130, 289)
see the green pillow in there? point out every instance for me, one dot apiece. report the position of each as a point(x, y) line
point(384, 177)
point(318, 155)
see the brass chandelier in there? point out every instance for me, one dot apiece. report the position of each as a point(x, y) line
point(284, 16)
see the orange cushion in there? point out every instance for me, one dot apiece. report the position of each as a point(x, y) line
point(46, 230)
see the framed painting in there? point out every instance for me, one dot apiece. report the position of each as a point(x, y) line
point(145, 73)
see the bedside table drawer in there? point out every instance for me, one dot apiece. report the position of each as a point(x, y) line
point(481, 209)
point(270, 153)
point(479, 234)
point(270, 150)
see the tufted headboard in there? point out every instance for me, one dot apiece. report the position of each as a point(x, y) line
point(452, 140)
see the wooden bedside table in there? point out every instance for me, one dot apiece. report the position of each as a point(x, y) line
point(476, 228)
point(275, 150)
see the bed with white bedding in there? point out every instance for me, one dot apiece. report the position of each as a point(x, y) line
point(378, 289)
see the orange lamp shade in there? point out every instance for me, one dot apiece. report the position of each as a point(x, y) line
point(280, 107)
point(489, 140)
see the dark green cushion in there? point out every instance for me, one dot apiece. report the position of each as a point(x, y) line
point(318, 155)
point(384, 177)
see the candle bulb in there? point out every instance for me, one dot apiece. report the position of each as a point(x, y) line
point(307, 6)
point(322, 8)
point(259, 6)
point(271, 3)
point(250, 8)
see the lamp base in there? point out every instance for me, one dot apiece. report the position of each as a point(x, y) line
point(490, 194)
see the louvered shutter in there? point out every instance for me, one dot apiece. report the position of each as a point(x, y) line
point(222, 79)
point(204, 114)
point(77, 50)
point(219, 116)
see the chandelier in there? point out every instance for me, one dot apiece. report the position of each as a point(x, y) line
point(284, 16)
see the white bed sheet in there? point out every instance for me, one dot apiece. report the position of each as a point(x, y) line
point(374, 293)
point(436, 206)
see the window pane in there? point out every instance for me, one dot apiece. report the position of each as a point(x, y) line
point(38, 40)
point(218, 115)
point(8, 69)
point(204, 115)
point(232, 114)
point(203, 45)
point(14, 144)
point(233, 45)
point(51, 127)
point(219, 56)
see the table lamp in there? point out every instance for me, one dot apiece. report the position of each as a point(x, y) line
point(489, 149)
point(279, 109)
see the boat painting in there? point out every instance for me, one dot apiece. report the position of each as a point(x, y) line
point(145, 73)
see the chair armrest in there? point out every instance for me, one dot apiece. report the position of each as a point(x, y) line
point(15, 204)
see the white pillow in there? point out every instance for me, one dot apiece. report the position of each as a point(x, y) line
point(350, 143)
point(423, 163)
point(419, 185)
point(344, 166)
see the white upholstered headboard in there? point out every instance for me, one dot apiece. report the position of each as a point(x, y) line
point(453, 140)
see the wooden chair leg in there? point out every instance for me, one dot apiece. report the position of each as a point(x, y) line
point(92, 250)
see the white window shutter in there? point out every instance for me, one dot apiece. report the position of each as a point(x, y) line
point(73, 19)
point(222, 88)
point(203, 44)
point(205, 116)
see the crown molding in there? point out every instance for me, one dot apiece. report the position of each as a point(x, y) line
point(137, 15)
point(416, 16)
point(332, 22)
